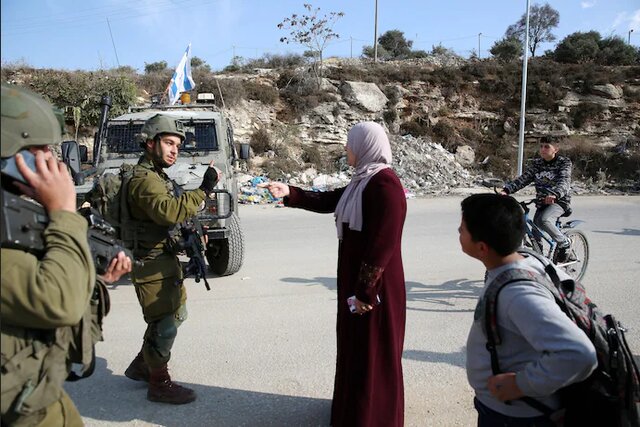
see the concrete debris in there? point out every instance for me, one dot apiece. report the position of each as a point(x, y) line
point(424, 168)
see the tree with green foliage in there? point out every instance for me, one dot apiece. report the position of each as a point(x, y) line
point(367, 52)
point(312, 31)
point(507, 49)
point(394, 42)
point(590, 47)
point(79, 92)
point(155, 67)
point(578, 48)
point(542, 20)
point(615, 51)
point(199, 63)
point(441, 50)
point(393, 45)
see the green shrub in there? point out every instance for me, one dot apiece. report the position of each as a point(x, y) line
point(507, 49)
point(260, 141)
point(311, 155)
point(278, 168)
point(471, 135)
point(232, 90)
point(390, 116)
point(260, 92)
point(584, 112)
point(84, 89)
point(414, 128)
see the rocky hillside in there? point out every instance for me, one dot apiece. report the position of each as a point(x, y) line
point(450, 120)
point(466, 116)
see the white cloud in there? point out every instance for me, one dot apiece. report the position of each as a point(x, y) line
point(628, 21)
point(634, 21)
point(588, 4)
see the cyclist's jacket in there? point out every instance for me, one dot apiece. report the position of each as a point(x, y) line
point(551, 178)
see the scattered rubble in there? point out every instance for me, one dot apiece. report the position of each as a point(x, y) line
point(424, 168)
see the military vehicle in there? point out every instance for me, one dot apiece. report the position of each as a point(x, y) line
point(209, 136)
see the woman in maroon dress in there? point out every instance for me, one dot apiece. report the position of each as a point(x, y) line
point(370, 214)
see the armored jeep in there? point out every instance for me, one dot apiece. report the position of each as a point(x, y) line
point(209, 136)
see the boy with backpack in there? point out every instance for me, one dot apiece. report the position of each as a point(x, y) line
point(542, 350)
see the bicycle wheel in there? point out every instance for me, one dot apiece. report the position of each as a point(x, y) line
point(576, 268)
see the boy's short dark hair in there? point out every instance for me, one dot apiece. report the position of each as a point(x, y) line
point(496, 220)
point(550, 140)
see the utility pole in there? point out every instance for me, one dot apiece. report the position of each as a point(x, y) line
point(629, 36)
point(351, 47)
point(523, 100)
point(113, 43)
point(479, 55)
point(375, 35)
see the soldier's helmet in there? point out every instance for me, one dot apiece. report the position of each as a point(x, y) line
point(162, 124)
point(27, 120)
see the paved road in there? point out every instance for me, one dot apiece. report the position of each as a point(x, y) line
point(259, 348)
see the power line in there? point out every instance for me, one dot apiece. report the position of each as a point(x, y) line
point(113, 43)
point(74, 21)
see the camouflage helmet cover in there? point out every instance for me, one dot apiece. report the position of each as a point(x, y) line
point(27, 120)
point(160, 124)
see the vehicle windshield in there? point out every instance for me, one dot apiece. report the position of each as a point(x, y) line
point(121, 137)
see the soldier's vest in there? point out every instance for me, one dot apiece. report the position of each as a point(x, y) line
point(36, 362)
point(152, 239)
point(110, 195)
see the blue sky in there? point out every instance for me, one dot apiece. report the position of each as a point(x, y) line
point(75, 34)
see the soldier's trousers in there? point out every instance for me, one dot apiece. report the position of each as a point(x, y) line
point(163, 298)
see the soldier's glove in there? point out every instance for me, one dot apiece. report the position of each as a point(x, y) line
point(209, 180)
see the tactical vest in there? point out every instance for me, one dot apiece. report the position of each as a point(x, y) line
point(36, 362)
point(151, 239)
point(110, 196)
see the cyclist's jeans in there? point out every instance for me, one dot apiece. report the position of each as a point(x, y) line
point(546, 217)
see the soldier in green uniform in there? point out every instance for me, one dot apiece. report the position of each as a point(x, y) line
point(157, 208)
point(42, 296)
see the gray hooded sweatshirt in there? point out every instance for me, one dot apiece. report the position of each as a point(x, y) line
point(540, 344)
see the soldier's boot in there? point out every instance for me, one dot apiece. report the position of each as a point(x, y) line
point(138, 370)
point(162, 389)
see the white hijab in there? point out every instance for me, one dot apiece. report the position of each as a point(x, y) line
point(369, 143)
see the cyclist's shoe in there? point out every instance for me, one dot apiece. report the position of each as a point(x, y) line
point(565, 254)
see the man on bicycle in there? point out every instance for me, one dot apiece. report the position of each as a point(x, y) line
point(551, 174)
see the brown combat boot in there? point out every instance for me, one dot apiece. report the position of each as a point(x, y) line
point(162, 389)
point(138, 370)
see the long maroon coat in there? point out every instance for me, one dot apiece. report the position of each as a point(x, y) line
point(369, 388)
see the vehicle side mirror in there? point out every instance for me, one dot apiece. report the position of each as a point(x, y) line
point(71, 157)
point(245, 149)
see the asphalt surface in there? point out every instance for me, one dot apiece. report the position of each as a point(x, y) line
point(259, 348)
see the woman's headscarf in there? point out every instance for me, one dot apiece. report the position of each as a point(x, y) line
point(369, 143)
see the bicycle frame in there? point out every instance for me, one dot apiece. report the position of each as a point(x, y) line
point(534, 232)
point(535, 237)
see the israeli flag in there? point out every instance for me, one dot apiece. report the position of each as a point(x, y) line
point(181, 80)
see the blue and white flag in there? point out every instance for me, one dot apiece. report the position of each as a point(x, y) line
point(181, 80)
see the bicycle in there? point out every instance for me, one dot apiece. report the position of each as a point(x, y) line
point(539, 241)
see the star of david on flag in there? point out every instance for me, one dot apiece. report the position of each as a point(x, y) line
point(181, 80)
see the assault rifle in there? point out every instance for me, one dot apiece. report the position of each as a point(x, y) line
point(192, 244)
point(24, 221)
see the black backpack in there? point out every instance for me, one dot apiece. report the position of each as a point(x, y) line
point(610, 396)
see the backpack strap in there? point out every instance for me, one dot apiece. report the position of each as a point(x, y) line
point(490, 324)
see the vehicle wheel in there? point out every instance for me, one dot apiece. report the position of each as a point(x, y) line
point(225, 256)
point(580, 250)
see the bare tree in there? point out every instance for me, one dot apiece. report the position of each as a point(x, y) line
point(312, 31)
point(542, 20)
